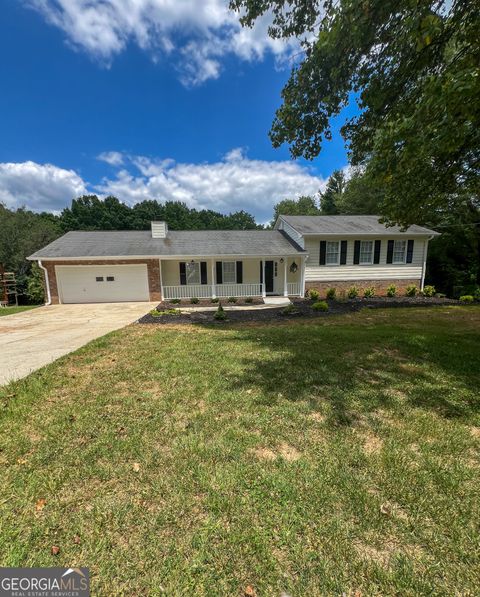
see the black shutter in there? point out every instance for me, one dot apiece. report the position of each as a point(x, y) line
point(376, 254)
point(239, 272)
point(410, 251)
point(203, 272)
point(261, 272)
point(183, 273)
point(390, 251)
point(219, 273)
point(356, 253)
point(343, 252)
point(323, 252)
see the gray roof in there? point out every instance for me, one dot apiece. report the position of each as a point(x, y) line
point(189, 243)
point(350, 225)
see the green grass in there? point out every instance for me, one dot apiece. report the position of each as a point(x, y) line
point(315, 458)
point(12, 310)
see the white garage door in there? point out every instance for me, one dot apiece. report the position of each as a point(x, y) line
point(102, 283)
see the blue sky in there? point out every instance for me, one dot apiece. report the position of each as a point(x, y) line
point(145, 99)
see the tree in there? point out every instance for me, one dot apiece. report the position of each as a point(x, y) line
point(303, 206)
point(35, 288)
point(332, 193)
point(414, 69)
point(361, 195)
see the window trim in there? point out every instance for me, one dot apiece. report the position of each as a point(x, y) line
point(404, 260)
point(196, 265)
point(332, 242)
point(372, 246)
point(224, 281)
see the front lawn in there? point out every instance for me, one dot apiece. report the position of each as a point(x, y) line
point(312, 458)
point(12, 310)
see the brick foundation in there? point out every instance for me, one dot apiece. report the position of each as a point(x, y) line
point(379, 285)
point(153, 272)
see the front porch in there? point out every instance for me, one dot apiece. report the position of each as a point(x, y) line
point(241, 278)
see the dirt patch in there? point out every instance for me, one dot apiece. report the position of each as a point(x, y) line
point(318, 417)
point(378, 555)
point(284, 450)
point(475, 431)
point(264, 454)
point(288, 452)
point(372, 444)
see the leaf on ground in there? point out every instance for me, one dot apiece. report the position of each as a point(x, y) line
point(21, 461)
point(55, 550)
point(386, 509)
point(40, 504)
point(249, 591)
point(136, 467)
point(76, 539)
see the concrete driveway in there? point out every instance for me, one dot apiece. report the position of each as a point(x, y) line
point(35, 338)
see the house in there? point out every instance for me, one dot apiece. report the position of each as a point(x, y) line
point(301, 252)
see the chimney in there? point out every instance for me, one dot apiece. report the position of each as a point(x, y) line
point(159, 229)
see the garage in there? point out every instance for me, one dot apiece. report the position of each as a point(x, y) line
point(102, 283)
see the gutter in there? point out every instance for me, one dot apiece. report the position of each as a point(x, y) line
point(47, 283)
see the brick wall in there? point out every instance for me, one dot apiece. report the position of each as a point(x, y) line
point(153, 270)
point(379, 285)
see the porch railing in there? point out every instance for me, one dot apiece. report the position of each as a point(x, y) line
point(293, 289)
point(206, 291)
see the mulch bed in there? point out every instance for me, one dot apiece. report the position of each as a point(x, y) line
point(303, 309)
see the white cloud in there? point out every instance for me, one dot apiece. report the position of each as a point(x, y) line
point(114, 158)
point(38, 186)
point(196, 33)
point(233, 183)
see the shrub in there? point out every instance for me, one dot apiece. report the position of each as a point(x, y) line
point(215, 300)
point(194, 300)
point(352, 292)
point(411, 290)
point(157, 313)
point(35, 289)
point(289, 309)
point(331, 293)
point(476, 294)
point(320, 306)
point(467, 298)
point(313, 294)
point(369, 292)
point(429, 291)
point(220, 314)
point(249, 299)
point(175, 301)
point(232, 299)
point(391, 290)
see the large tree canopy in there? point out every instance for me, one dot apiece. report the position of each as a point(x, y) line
point(414, 68)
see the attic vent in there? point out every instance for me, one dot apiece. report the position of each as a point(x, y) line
point(159, 229)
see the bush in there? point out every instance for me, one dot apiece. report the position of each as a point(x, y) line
point(369, 292)
point(467, 298)
point(214, 300)
point(175, 301)
point(391, 290)
point(331, 293)
point(476, 294)
point(320, 306)
point(232, 299)
point(157, 313)
point(289, 310)
point(194, 300)
point(411, 290)
point(220, 314)
point(35, 289)
point(352, 292)
point(249, 299)
point(313, 294)
point(429, 291)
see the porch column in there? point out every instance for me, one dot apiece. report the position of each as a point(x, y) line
point(213, 285)
point(285, 285)
point(302, 276)
point(264, 286)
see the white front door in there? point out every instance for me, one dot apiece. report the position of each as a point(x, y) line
point(102, 283)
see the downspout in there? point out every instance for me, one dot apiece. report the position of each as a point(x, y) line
point(424, 265)
point(47, 283)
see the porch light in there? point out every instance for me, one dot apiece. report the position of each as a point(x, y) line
point(293, 267)
point(281, 260)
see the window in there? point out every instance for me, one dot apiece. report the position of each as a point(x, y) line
point(399, 251)
point(110, 279)
point(229, 272)
point(366, 252)
point(99, 278)
point(276, 268)
point(192, 270)
point(332, 254)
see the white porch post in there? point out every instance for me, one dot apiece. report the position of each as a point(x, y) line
point(285, 285)
point(264, 286)
point(214, 289)
point(302, 277)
